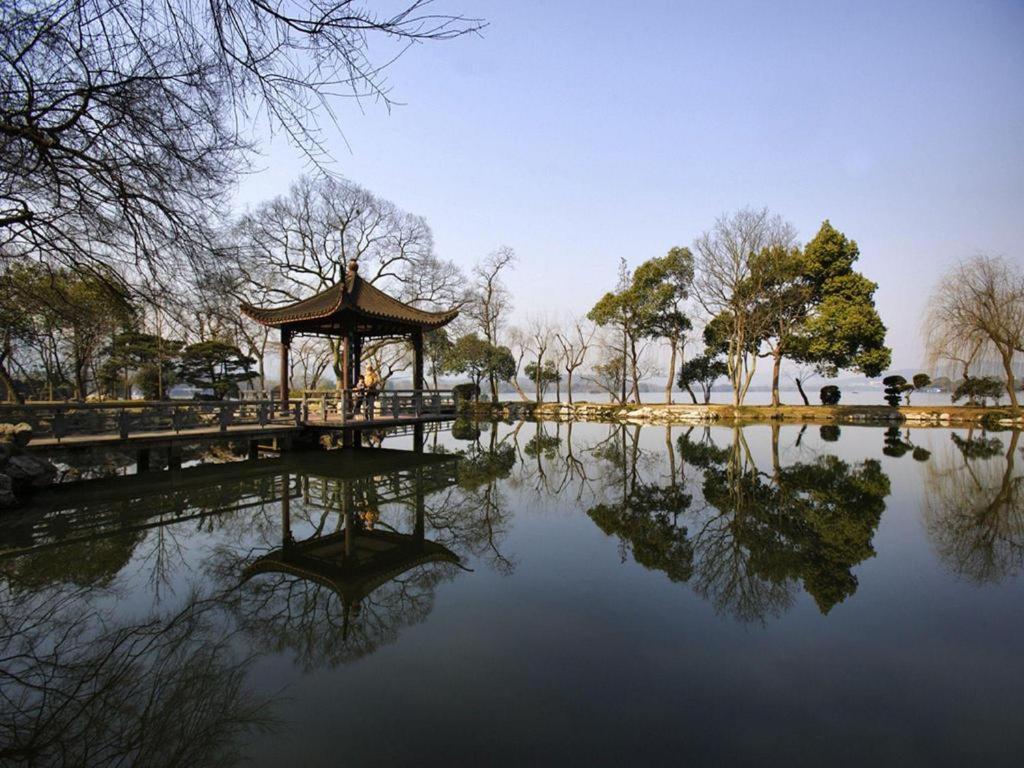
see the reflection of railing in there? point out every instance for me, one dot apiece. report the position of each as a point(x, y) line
point(391, 488)
point(391, 404)
point(61, 420)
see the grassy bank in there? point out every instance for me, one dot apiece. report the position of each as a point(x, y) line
point(649, 413)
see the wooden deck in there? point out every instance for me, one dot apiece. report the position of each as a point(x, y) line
point(144, 425)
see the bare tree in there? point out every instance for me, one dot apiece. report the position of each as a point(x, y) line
point(490, 300)
point(123, 123)
point(976, 315)
point(519, 343)
point(304, 240)
point(608, 373)
point(728, 286)
point(541, 332)
point(574, 344)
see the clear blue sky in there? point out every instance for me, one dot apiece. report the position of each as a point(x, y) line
point(581, 132)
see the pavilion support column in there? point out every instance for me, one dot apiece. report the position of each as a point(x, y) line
point(357, 360)
point(286, 340)
point(417, 360)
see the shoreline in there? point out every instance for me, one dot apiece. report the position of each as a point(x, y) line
point(714, 413)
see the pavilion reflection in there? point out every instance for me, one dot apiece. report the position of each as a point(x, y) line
point(354, 563)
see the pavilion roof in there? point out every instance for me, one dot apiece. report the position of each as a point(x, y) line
point(351, 296)
point(377, 557)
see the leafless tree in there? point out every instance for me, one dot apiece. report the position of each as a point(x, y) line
point(608, 372)
point(976, 315)
point(519, 343)
point(122, 124)
point(541, 333)
point(490, 300)
point(727, 285)
point(305, 239)
point(574, 343)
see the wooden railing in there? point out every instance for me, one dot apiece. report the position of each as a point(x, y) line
point(391, 404)
point(60, 420)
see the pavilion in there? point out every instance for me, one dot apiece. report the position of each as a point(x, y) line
point(353, 310)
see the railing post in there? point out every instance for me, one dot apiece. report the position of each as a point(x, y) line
point(122, 424)
point(263, 414)
point(323, 408)
point(297, 414)
point(59, 426)
point(395, 405)
point(224, 417)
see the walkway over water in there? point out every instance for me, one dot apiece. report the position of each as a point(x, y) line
point(148, 424)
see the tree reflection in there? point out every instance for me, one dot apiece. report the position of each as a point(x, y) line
point(79, 689)
point(752, 536)
point(974, 507)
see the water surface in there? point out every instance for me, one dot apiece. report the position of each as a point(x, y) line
point(528, 593)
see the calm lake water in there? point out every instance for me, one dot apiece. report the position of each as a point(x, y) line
point(530, 594)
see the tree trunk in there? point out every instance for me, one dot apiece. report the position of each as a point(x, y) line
point(671, 372)
point(494, 387)
point(634, 373)
point(568, 385)
point(689, 391)
point(1011, 383)
point(624, 363)
point(776, 368)
point(800, 388)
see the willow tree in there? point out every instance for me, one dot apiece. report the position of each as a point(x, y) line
point(976, 317)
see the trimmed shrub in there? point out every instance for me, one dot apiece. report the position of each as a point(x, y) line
point(830, 395)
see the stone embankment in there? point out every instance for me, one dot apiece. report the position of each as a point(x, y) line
point(20, 473)
point(649, 413)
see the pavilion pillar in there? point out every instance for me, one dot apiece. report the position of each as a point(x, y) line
point(286, 340)
point(417, 360)
point(357, 359)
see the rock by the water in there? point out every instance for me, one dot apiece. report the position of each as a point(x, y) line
point(30, 471)
point(18, 434)
point(7, 497)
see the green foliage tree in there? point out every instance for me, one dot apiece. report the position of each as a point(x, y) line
point(64, 320)
point(544, 376)
point(701, 371)
point(842, 328)
point(830, 395)
point(978, 389)
point(661, 285)
point(437, 345)
point(784, 295)
point(895, 386)
point(477, 358)
point(216, 365)
point(621, 311)
point(145, 358)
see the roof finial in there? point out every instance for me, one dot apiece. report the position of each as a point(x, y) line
point(353, 266)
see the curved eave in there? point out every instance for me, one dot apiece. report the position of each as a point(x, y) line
point(360, 298)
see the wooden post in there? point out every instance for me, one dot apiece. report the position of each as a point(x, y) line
point(142, 461)
point(286, 339)
point(346, 372)
point(254, 450)
point(417, 361)
point(174, 457)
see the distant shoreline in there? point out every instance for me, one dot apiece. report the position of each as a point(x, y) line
point(654, 413)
